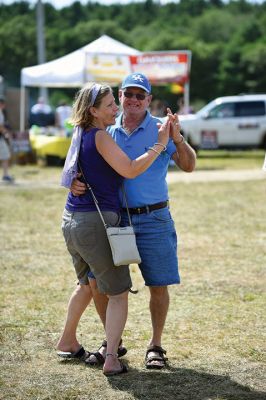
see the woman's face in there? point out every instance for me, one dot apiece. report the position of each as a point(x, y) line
point(106, 113)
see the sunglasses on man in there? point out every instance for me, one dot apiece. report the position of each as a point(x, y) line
point(139, 96)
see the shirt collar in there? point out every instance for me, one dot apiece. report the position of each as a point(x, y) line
point(143, 125)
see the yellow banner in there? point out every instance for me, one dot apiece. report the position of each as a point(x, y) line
point(111, 68)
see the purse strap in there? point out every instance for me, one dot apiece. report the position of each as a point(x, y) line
point(125, 197)
point(96, 201)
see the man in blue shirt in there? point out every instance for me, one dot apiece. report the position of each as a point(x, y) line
point(147, 196)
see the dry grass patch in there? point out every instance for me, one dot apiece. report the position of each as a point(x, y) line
point(215, 331)
point(228, 159)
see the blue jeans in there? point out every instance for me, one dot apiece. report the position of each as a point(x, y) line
point(157, 243)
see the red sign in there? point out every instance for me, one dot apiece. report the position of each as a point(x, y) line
point(163, 67)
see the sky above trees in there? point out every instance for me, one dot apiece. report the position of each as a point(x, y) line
point(65, 3)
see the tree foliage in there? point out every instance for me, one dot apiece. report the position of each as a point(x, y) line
point(227, 39)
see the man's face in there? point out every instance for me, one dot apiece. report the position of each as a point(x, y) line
point(134, 100)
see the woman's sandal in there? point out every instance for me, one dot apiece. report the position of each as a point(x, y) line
point(121, 351)
point(80, 354)
point(157, 360)
point(122, 369)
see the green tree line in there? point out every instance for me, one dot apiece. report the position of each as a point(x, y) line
point(227, 39)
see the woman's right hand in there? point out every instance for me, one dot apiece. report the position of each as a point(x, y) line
point(164, 131)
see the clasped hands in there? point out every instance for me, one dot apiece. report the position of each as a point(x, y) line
point(174, 132)
point(174, 126)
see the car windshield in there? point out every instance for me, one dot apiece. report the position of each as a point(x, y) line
point(205, 110)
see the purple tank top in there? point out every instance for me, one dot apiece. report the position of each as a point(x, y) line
point(103, 179)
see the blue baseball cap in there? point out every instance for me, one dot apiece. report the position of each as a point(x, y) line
point(137, 80)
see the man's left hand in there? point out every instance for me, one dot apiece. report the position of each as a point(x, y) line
point(174, 127)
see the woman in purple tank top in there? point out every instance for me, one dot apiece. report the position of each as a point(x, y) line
point(104, 165)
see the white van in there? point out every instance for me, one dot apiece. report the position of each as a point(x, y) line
point(228, 122)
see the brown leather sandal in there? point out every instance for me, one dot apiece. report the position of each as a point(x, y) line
point(157, 361)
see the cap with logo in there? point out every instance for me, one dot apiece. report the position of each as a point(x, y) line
point(137, 80)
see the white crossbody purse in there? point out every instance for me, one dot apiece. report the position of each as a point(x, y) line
point(122, 239)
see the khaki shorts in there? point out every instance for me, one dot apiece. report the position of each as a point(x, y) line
point(88, 245)
point(4, 150)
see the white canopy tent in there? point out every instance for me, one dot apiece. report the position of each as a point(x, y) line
point(104, 59)
point(70, 70)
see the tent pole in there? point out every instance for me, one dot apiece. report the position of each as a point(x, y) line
point(186, 97)
point(22, 109)
point(43, 92)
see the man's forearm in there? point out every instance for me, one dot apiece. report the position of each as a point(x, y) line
point(185, 156)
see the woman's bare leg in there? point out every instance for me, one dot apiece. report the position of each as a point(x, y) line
point(79, 300)
point(116, 317)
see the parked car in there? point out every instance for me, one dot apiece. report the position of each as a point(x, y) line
point(228, 122)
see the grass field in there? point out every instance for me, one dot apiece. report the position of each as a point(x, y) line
point(226, 159)
point(215, 331)
point(207, 160)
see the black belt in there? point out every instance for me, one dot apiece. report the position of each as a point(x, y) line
point(147, 209)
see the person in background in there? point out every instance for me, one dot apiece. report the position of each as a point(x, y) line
point(103, 165)
point(182, 109)
point(5, 153)
point(134, 131)
point(41, 114)
point(62, 117)
point(158, 108)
